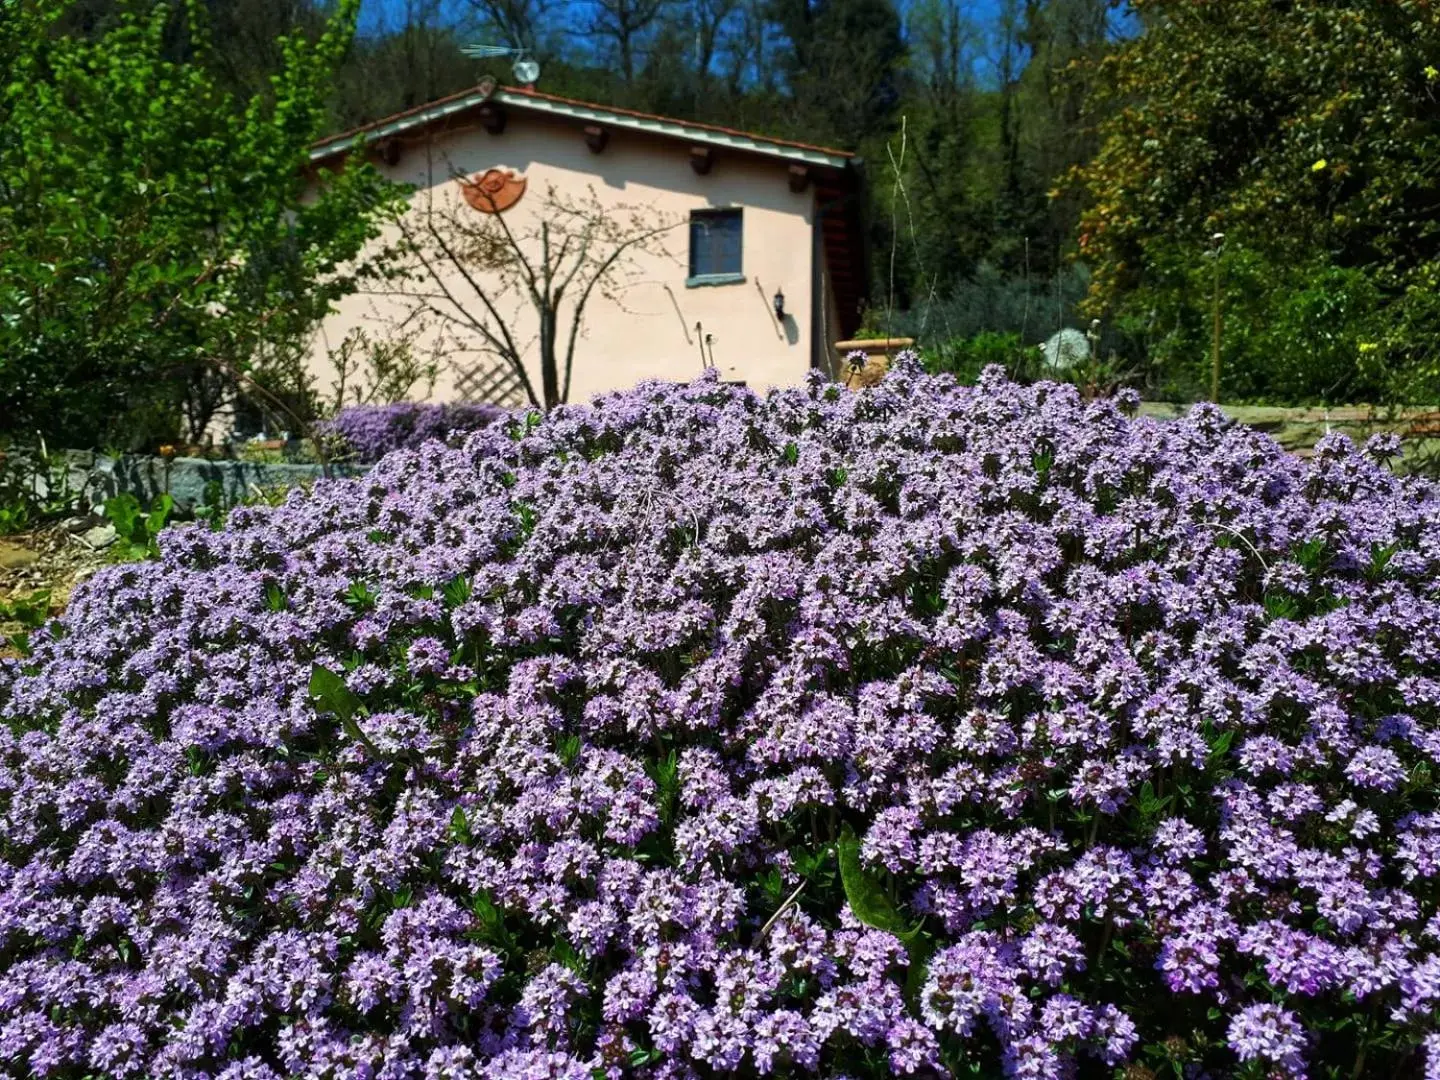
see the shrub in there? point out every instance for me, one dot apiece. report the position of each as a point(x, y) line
point(693, 733)
point(156, 261)
point(990, 300)
point(372, 431)
point(966, 358)
point(1302, 333)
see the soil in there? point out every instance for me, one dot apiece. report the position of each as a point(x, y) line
point(51, 558)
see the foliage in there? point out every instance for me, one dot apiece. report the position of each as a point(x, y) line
point(34, 486)
point(990, 301)
point(1307, 333)
point(216, 506)
point(136, 529)
point(1100, 375)
point(26, 613)
point(1302, 131)
point(155, 251)
point(369, 432)
point(915, 730)
point(966, 358)
point(371, 371)
point(842, 63)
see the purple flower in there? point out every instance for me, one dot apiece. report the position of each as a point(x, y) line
point(1121, 711)
point(1375, 767)
point(1271, 1034)
point(372, 431)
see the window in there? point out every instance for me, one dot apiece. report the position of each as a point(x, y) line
point(714, 247)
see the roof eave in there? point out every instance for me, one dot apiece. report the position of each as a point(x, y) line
point(673, 129)
point(339, 145)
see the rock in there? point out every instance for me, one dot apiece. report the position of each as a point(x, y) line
point(13, 558)
point(101, 536)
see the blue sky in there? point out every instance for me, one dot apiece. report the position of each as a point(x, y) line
point(376, 13)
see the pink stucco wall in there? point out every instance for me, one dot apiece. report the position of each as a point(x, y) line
point(639, 333)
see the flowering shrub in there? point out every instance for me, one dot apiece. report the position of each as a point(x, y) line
point(372, 431)
point(925, 730)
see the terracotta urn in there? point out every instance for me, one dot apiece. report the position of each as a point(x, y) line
point(878, 352)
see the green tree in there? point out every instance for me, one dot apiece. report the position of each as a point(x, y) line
point(1307, 133)
point(841, 66)
point(412, 58)
point(157, 252)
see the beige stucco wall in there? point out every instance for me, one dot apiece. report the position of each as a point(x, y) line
point(648, 329)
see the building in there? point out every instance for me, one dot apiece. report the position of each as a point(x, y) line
point(756, 266)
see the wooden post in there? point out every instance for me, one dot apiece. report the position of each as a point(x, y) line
point(492, 117)
point(1215, 242)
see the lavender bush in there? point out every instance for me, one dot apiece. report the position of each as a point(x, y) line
point(925, 730)
point(369, 432)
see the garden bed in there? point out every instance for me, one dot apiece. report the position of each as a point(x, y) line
point(39, 570)
point(929, 730)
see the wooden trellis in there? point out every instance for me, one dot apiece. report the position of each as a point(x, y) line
point(493, 382)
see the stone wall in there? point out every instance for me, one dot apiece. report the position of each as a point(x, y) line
point(98, 477)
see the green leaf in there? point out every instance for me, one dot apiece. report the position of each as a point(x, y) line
point(29, 611)
point(456, 591)
point(330, 694)
point(863, 892)
point(568, 747)
point(459, 826)
point(1280, 605)
point(123, 511)
point(360, 596)
point(159, 514)
point(665, 772)
point(1380, 556)
point(1311, 554)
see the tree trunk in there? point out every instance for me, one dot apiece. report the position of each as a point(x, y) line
point(549, 365)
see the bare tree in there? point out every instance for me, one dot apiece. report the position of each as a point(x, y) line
point(749, 51)
point(520, 23)
point(1009, 60)
point(709, 18)
point(378, 371)
point(625, 24)
point(476, 272)
point(943, 40)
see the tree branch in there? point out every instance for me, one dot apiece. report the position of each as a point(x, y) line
point(507, 348)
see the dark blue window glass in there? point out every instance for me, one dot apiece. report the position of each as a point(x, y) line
point(714, 242)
